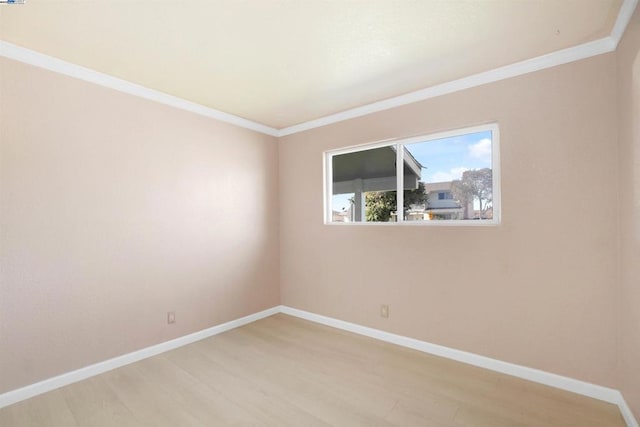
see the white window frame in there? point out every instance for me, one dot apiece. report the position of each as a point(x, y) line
point(398, 143)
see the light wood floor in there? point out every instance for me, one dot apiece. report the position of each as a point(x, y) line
point(286, 371)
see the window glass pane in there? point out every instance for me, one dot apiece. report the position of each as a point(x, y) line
point(342, 207)
point(456, 179)
point(448, 178)
point(364, 186)
point(381, 206)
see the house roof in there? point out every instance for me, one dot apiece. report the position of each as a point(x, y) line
point(437, 186)
point(373, 163)
point(375, 167)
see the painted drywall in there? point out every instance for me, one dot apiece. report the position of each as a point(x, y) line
point(536, 290)
point(628, 56)
point(115, 210)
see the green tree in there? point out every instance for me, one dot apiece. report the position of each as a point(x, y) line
point(475, 184)
point(381, 204)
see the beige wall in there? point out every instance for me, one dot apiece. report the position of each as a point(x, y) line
point(628, 56)
point(115, 210)
point(536, 290)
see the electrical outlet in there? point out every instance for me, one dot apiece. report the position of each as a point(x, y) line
point(171, 317)
point(384, 311)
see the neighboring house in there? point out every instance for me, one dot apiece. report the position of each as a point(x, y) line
point(343, 216)
point(440, 204)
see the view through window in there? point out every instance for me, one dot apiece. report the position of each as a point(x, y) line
point(449, 177)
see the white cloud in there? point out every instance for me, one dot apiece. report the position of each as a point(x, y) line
point(481, 149)
point(455, 173)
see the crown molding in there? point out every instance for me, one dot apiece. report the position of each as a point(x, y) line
point(27, 56)
point(624, 16)
point(564, 56)
point(553, 59)
point(560, 57)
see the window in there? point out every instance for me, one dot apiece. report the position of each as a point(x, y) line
point(447, 178)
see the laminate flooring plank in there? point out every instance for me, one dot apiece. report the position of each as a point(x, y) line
point(49, 409)
point(207, 405)
point(254, 398)
point(346, 381)
point(151, 405)
point(94, 404)
point(309, 392)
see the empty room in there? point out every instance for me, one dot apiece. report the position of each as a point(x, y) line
point(319, 212)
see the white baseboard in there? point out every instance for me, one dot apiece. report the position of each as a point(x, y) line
point(626, 413)
point(41, 387)
point(558, 381)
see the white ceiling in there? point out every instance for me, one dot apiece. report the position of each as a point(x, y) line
point(284, 62)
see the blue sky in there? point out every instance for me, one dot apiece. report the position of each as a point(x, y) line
point(443, 159)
